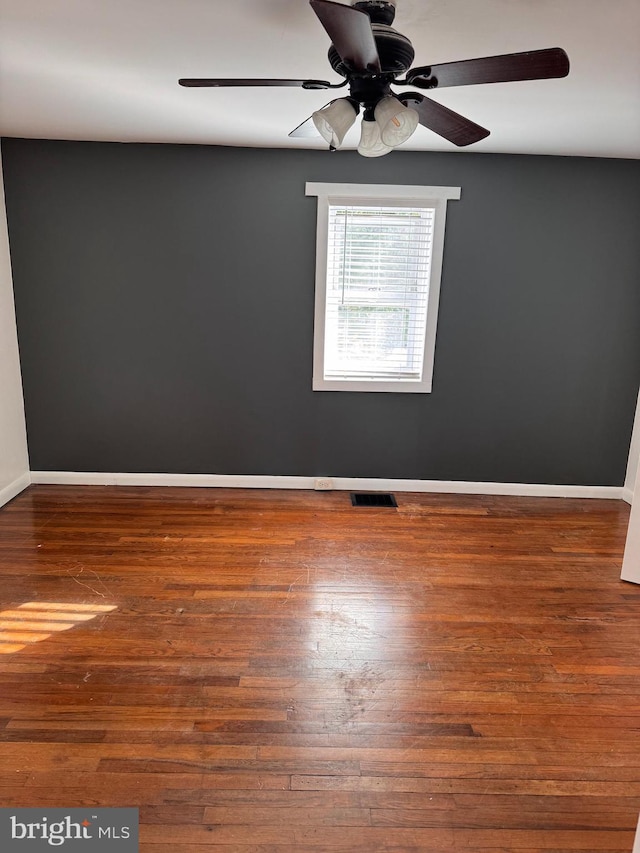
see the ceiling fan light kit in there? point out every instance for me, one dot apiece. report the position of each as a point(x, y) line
point(371, 144)
point(396, 121)
point(371, 56)
point(333, 121)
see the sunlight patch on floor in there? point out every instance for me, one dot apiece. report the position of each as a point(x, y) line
point(37, 620)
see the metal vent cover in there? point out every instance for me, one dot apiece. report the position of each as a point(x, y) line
point(375, 499)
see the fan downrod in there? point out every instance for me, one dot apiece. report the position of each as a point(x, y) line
point(380, 11)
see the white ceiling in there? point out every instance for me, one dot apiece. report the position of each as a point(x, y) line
point(108, 70)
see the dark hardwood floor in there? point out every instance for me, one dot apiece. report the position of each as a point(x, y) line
point(279, 671)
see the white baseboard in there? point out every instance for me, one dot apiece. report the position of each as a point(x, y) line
point(627, 495)
point(9, 492)
point(244, 481)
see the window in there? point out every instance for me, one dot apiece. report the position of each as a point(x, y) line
point(378, 264)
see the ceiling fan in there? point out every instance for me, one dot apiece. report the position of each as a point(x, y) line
point(372, 56)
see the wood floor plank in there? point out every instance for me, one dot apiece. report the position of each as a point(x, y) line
point(279, 672)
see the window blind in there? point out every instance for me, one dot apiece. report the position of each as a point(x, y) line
point(378, 270)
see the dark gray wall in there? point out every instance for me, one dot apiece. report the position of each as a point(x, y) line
point(164, 297)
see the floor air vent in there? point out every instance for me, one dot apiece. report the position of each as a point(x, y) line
point(372, 499)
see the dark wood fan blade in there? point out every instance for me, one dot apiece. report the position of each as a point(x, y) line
point(195, 82)
point(350, 31)
point(443, 121)
point(508, 68)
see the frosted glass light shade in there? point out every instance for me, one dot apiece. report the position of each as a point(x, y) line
point(371, 144)
point(396, 121)
point(334, 121)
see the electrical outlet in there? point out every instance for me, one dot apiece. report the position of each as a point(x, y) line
point(323, 484)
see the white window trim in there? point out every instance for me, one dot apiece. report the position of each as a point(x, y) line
point(327, 194)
